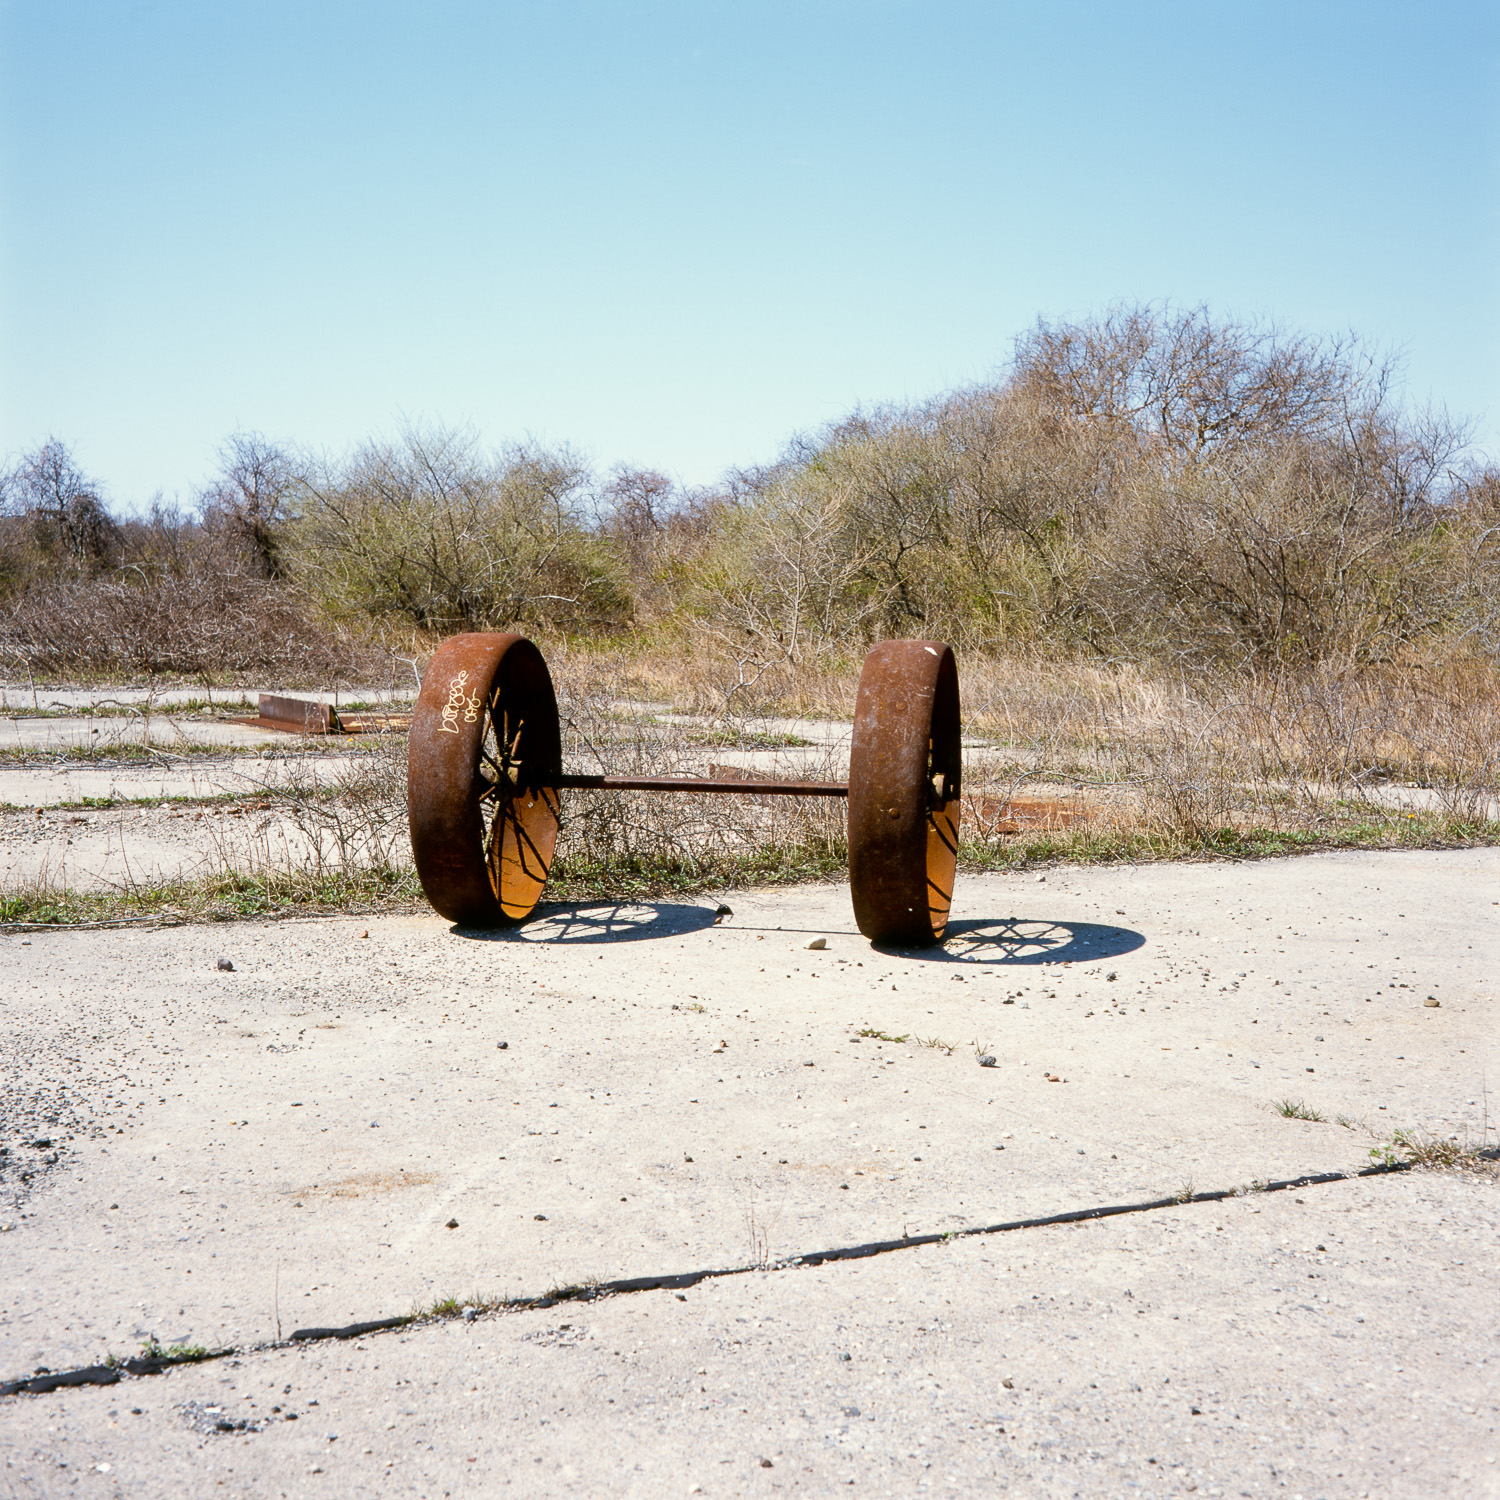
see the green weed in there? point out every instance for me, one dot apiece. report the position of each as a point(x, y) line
point(1296, 1110)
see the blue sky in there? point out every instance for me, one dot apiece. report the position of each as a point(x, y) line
point(674, 234)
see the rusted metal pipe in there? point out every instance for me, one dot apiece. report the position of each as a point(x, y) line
point(749, 787)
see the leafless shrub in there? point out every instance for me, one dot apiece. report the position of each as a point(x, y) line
point(322, 815)
point(604, 730)
point(432, 531)
point(198, 623)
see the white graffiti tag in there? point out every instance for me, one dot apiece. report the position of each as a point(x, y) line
point(459, 702)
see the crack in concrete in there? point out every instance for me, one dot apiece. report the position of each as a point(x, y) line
point(110, 1374)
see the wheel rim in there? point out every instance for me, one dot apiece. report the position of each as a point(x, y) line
point(521, 812)
point(904, 775)
point(485, 751)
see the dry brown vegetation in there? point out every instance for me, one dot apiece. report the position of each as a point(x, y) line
point(1214, 587)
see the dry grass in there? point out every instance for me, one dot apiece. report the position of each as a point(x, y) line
point(1065, 762)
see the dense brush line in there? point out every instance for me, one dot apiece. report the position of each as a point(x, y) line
point(1153, 485)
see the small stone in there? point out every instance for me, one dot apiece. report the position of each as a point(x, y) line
point(470, 1313)
point(1111, 975)
point(818, 943)
point(451, 1224)
point(114, 1205)
point(845, 1358)
point(766, 1463)
point(1317, 1039)
point(987, 1060)
point(1041, 880)
point(1432, 1002)
point(1008, 1383)
point(502, 1045)
point(365, 933)
point(225, 965)
point(540, 1218)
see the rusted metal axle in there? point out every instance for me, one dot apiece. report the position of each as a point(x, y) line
point(749, 786)
point(485, 781)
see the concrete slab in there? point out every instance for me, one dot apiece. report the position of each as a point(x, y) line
point(1198, 1353)
point(17, 697)
point(292, 1139)
point(116, 847)
point(50, 784)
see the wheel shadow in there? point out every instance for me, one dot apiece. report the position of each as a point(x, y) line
point(1026, 941)
point(585, 922)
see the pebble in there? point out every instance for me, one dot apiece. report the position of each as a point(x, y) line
point(818, 943)
point(502, 1045)
point(1432, 1002)
point(540, 1218)
point(452, 1224)
point(987, 1061)
point(225, 965)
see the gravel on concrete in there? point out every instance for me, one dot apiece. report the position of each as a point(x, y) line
point(291, 1139)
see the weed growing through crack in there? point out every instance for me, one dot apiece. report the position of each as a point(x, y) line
point(1296, 1110)
point(937, 1044)
point(758, 1227)
point(1416, 1148)
point(151, 1349)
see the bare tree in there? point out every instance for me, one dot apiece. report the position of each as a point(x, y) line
point(252, 502)
point(639, 505)
point(62, 507)
point(1191, 383)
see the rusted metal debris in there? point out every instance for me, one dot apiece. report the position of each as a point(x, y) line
point(311, 716)
point(485, 780)
point(749, 785)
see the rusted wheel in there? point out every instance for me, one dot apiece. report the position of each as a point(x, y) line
point(904, 768)
point(481, 772)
